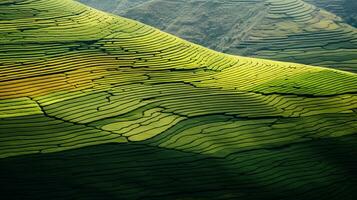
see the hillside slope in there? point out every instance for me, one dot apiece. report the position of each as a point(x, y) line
point(286, 30)
point(95, 106)
point(346, 9)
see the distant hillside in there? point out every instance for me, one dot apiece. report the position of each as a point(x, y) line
point(347, 9)
point(286, 30)
point(97, 106)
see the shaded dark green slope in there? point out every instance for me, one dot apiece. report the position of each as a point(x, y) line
point(324, 169)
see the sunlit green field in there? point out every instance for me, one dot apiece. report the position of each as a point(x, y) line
point(96, 106)
point(314, 32)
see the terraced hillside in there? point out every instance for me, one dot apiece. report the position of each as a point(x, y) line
point(286, 30)
point(347, 9)
point(95, 106)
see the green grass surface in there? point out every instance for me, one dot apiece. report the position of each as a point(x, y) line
point(324, 169)
point(95, 106)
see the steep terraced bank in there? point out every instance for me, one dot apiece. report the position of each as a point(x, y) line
point(95, 106)
point(286, 30)
point(296, 31)
point(347, 9)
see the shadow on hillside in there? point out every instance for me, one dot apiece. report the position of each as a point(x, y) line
point(324, 169)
